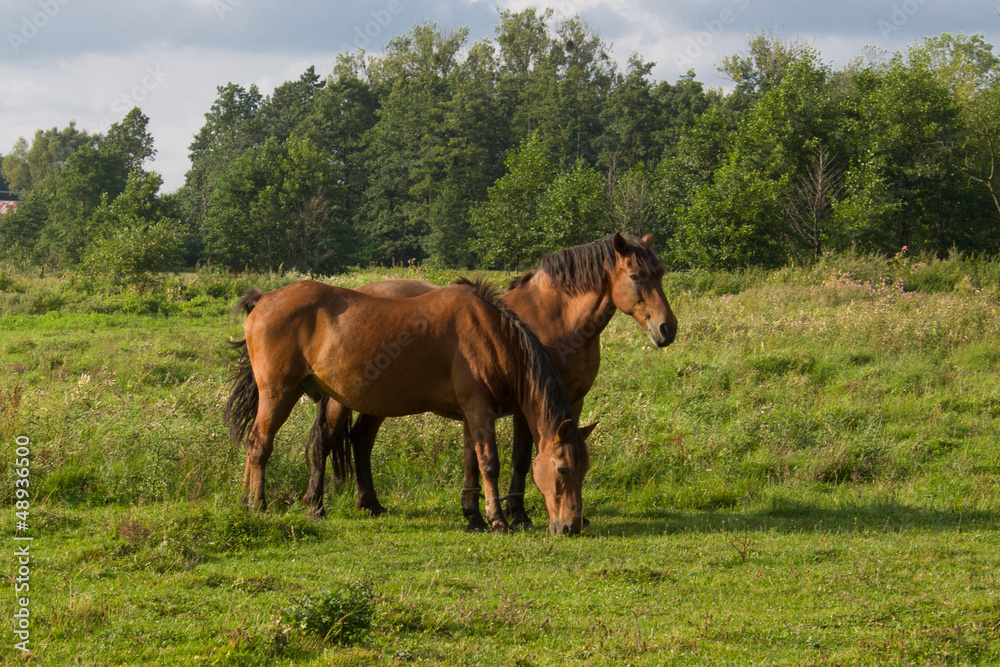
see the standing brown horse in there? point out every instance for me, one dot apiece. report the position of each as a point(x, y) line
point(568, 302)
point(459, 352)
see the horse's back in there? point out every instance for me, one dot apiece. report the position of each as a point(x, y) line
point(399, 288)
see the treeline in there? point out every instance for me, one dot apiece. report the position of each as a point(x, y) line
point(490, 154)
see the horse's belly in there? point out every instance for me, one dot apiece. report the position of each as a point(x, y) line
point(379, 395)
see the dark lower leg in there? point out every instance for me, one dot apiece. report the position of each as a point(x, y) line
point(521, 451)
point(470, 488)
point(363, 440)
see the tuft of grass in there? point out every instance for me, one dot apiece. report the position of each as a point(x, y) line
point(341, 616)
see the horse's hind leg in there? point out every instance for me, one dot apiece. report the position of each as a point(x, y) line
point(363, 440)
point(272, 411)
point(327, 432)
point(521, 452)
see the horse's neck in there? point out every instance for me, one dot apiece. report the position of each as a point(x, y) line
point(557, 315)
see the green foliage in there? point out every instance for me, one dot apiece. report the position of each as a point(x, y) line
point(28, 167)
point(231, 127)
point(130, 140)
point(278, 205)
point(341, 616)
point(573, 209)
point(505, 224)
point(409, 157)
point(134, 236)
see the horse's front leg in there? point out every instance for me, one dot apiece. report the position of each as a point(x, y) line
point(521, 451)
point(470, 485)
point(481, 440)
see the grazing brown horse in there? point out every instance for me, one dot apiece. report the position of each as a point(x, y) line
point(568, 301)
point(458, 351)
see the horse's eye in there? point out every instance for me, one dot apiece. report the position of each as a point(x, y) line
point(636, 278)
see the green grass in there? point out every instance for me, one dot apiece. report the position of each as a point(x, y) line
point(809, 475)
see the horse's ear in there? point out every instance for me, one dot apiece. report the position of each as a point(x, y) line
point(648, 240)
point(620, 244)
point(585, 431)
point(565, 429)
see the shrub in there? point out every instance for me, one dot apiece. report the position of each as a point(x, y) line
point(343, 616)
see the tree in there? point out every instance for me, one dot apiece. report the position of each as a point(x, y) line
point(699, 153)
point(505, 225)
point(134, 235)
point(464, 156)
point(630, 200)
point(341, 114)
point(903, 187)
point(808, 206)
point(761, 67)
point(289, 105)
point(572, 209)
point(28, 167)
point(736, 218)
point(5, 190)
point(75, 190)
point(970, 70)
point(278, 204)
point(231, 127)
point(631, 119)
point(407, 152)
point(129, 140)
point(680, 105)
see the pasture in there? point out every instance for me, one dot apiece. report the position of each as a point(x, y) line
point(808, 475)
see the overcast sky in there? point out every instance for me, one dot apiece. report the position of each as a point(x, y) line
point(88, 61)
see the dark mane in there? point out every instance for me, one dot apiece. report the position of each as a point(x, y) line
point(541, 377)
point(584, 268)
point(520, 281)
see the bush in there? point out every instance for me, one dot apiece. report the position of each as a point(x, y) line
point(344, 616)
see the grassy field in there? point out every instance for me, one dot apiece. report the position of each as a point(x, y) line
point(808, 476)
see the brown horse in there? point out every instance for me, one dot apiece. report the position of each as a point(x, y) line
point(568, 302)
point(458, 351)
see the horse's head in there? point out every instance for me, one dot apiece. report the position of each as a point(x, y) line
point(637, 289)
point(558, 471)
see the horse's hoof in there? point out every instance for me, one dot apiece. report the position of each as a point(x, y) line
point(522, 522)
point(373, 508)
point(500, 528)
point(586, 522)
point(254, 505)
point(476, 526)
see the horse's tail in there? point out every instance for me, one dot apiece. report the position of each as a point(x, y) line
point(241, 408)
point(248, 301)
point(337, 442)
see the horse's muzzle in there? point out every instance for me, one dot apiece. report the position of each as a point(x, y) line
point(558, 527)
point(664, 334)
